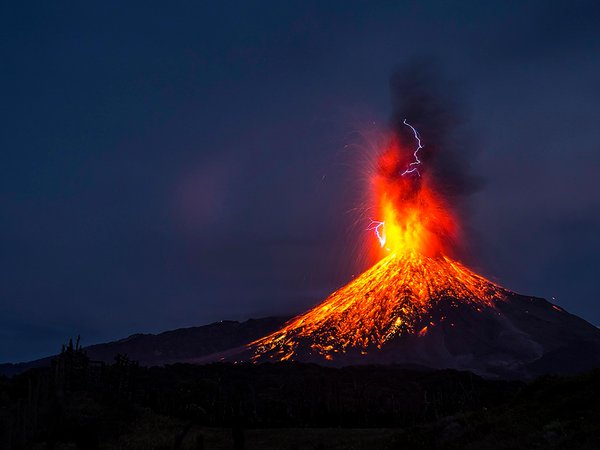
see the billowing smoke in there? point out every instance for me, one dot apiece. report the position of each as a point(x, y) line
point(422, 172)
point(422, 97)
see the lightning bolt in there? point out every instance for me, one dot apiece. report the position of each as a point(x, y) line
point(378, 228)
point(412, 166)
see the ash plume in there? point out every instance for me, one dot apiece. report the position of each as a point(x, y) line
point(426, 100)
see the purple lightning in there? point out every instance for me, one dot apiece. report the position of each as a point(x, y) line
point(417, 161)
point(378, 228)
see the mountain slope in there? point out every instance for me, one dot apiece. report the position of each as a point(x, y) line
point(171, 346)
point(432, 311)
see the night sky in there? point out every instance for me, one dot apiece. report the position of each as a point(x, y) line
point(164, 167)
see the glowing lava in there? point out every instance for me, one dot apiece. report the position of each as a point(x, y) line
point(393, 298)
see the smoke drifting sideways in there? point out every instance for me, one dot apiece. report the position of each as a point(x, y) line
point(422, 174)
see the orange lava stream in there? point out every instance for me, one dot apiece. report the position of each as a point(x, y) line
point(390, 299)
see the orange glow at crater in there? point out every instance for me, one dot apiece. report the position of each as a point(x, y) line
point(412, 215)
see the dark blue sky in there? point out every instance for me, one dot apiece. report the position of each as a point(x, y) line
point(168, 166)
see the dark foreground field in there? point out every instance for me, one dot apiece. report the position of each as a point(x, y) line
point(79, 404)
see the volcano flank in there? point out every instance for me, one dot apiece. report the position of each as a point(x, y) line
point(432, 311)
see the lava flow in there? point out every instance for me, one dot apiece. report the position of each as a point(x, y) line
point(411, 289)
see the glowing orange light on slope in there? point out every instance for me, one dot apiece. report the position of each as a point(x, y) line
point(393, 298)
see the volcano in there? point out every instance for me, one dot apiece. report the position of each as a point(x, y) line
point(434, 312)
point(418, 306)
